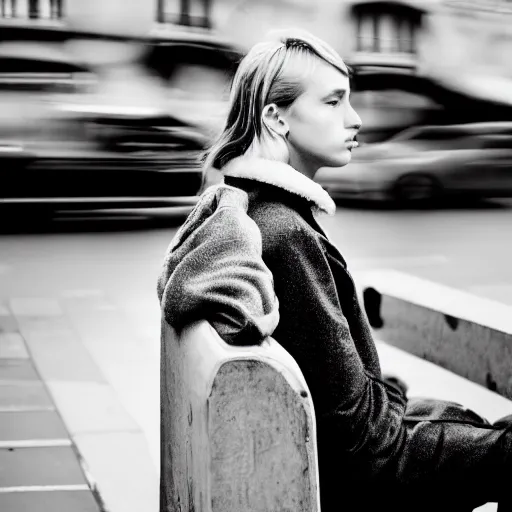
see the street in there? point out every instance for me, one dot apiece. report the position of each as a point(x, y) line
point(104, 273)
point(464, 246)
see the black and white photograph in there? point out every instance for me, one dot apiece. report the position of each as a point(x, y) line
point(255, 255)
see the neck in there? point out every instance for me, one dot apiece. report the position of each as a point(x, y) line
point(303, 165)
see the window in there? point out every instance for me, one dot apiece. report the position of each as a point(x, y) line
point(33, 9)
point(497, 141)
point(43, 76)
point(389, 33)
point(385, 32)
point(367, 37)
point(185, 12)
point(200, 81)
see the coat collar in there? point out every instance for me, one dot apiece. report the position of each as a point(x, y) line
point(280, 175)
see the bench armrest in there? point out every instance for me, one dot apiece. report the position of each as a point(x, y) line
point(237, 426)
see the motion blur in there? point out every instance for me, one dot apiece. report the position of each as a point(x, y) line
point(100, 108)
point(106, 107)
point(110, 104)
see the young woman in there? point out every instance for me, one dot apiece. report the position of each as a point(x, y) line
point(290, 114)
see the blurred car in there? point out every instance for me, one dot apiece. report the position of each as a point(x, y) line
point(104, 160)
point(424, 163)
point(39, 68)
point(196, 69)
point(68, 153)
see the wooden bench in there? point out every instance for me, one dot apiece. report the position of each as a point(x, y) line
point(238, 424)
point(237, 427)
point(469, 335)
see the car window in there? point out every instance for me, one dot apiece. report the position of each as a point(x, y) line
point(144, 135)
point(39, 125)
point(165, 58)
point(200, 81)
point(438, 134)
point(42, 76)
point(496, 141)
point(490, 128)
point(197, 76)
point(408, 134)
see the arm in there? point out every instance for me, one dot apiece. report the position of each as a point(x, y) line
point(354, 407)
point(218, 275)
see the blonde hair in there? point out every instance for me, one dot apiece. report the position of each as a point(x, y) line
point(271, 72)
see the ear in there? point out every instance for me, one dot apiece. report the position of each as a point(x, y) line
point(274, 121)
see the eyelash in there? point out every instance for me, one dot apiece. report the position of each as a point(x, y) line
point(333, 102)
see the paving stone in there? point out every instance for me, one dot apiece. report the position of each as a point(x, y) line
point(17, 369)
point(12, 346)
point(35, 307)
point(48, 324)
point(83, 294)
point(53, 501)
point(103, 328)
point(30, 395)
point(22, 426)
point(126, 477)
point(8, 323)
point(40, 466)
point(58, 354)
point(90, 407)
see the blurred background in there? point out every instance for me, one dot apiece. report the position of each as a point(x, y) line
point(106, 106)
point(109, 104)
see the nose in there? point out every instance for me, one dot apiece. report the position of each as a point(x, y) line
point(353, 121)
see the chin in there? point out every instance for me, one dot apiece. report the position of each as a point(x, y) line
point(339, 160)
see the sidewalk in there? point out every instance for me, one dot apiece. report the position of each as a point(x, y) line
point(40, 467)
point(67, 442)
point(78, 405)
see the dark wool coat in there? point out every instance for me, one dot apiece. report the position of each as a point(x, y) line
point(376, 447)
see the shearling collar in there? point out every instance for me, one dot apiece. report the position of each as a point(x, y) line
point(281, 175)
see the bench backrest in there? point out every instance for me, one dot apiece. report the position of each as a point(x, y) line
point(237, 427)
point(459, 331)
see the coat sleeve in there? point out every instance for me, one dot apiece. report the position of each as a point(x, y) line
point(219, 275)
point(358, 410)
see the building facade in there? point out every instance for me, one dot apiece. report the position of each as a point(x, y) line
point(398, 48)
point(182, 12)
point(413, 58)
point(31, 9)
point(468, 45)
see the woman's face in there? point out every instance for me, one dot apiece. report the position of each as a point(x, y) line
point(322, 123)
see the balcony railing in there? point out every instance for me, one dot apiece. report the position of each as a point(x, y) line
point(32, 9)
point(185, 12)
point(192, 13)
point(404, 61)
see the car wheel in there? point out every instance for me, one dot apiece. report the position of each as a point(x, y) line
point(416, 188)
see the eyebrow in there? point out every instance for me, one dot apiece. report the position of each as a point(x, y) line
point(338, 92)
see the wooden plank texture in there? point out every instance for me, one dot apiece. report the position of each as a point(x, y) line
point(238, 427)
